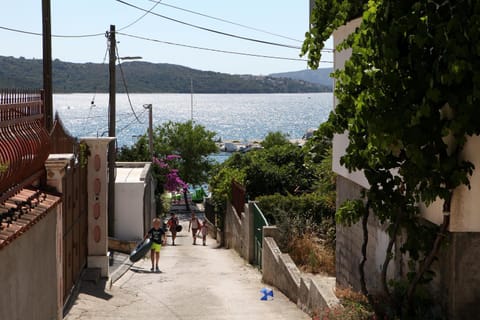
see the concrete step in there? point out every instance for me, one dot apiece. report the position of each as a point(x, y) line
point(92, 275)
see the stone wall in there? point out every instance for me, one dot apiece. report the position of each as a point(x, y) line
point(28, 273)
point(461, 276)
point(238, 233)
point(349, 245)
point(456, 285)
point(233, 230)
point(349, 239)
point(279, 270)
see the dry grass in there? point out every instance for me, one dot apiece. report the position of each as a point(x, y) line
point(347, 294)
point(354, 306)
point(312, 256)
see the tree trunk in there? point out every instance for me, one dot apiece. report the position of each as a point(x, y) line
point(361, 266)
point(185, 196)
point(427, 262)
point(388, 256)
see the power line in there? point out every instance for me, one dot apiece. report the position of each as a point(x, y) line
point(175, 20)
point(101, 116)
point(227, 21)
point(214, 50)
point(169, 43)
point(212, 30)
point(53, 35)
point(103, 34)
point(21, 31)
point(128, 125)
point(92, 104)
point(142, 16)
point(164, 42)
point(103, 62)
point(125, 85)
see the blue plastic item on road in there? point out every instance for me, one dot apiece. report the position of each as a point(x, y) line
point(266, 294)
point(140, 250)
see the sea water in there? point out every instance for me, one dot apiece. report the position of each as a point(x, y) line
point(242, 117)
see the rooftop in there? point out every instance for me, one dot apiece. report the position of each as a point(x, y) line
point(131, 172)
point(21, 211)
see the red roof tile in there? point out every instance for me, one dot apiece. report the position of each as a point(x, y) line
point(21, 211)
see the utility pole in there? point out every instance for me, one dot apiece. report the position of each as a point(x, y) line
point(111, 131)
point(150, 129)
point(47, 63)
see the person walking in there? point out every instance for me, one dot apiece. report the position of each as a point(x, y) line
point(157, 235)
point(195, 225)
point(204, 232)
point(173, 224)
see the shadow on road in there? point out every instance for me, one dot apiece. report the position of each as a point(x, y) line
point(141, 270)
point(93, 288)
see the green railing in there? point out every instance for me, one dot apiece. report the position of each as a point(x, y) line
point(259, 222)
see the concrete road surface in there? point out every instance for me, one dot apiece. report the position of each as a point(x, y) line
point(195, 283)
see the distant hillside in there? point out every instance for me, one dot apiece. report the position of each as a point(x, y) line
point(319, 76)
point(142, 77)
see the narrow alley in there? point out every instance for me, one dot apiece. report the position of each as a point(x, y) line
point(195, 282)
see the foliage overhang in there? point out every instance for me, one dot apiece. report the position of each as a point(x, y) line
point(408, 98)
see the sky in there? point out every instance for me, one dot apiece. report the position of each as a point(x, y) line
point(288, 20)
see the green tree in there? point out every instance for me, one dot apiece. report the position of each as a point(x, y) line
point(139, 151)
point(221, 185)
point(193, 143)
point(288, 184)
point(408, 88)
point(278, 169)
point(275, 139)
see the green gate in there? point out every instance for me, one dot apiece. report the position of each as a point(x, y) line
point(259, 222)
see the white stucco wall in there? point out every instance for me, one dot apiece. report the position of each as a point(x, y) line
point(340, 141)
point(465, 206)
point(129, 197)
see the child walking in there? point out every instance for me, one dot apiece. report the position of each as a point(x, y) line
point(204, 231)
point(157, 235)
point(172, 226)
point(195, 225)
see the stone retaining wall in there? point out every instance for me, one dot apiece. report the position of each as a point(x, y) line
point(238, 231)
point(278, 269)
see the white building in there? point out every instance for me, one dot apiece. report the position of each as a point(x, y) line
point(134, 200)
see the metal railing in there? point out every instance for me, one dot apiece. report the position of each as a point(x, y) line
point(24, 141)
point(259, 222)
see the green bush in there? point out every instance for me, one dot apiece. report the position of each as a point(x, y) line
point(312, 207)
point(295, 216)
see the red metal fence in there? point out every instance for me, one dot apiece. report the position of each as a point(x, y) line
point(24, 147)
point(24, 141)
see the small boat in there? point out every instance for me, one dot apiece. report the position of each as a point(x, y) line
point(228, 147)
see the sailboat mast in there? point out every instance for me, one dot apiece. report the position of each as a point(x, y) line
point(191, 99)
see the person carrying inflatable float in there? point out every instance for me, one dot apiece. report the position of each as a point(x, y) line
point(157, 236)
